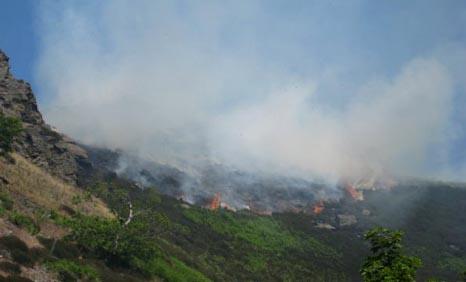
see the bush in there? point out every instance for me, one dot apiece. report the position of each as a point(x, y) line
point(9, 129)
point(387, 262)
point(24, 221)
point(5, 201)
point(174, 270)
point(70, 271)
point(110, 240)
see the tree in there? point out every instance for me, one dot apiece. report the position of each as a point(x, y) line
point(388, 262)
point(123, 245)
point(9, 128)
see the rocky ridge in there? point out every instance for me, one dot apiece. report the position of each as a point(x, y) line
point(38, 142)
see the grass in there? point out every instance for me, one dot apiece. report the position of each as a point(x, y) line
point(175, 270)
point(24, 221)
point(5, 201)
point(256, 263)
point(454, 264)
point(69, 270)
point(30, 182)
point(263, 232)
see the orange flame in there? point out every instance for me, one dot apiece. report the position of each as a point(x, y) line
point(353, 193)
point(318, 207)
point(215, 203)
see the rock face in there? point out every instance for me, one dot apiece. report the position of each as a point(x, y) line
point(38, 142)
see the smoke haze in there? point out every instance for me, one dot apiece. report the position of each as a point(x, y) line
point(250, 87)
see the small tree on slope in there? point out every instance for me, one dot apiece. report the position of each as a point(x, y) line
point(9, 129)
point(388, 262)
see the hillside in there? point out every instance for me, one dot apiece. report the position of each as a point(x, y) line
point(29, 196)
point(66, 215)
point(39, 142)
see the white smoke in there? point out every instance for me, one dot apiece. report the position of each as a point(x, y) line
point(393, 125)
point(164, 82)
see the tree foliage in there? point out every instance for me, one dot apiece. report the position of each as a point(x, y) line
point(110, 240)
point(388, 262)
point(9, 128)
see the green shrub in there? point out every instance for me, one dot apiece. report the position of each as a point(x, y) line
point(174, 270)
point(24, 221)
point(387, 262)
point(256, 263)
point(9, 129)
point(110, 240)
point(5, 201)
point(71, 271)
point(454, 264)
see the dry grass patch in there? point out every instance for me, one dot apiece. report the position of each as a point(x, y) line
point(27, 182)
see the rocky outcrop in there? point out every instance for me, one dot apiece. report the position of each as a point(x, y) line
point(38, 142)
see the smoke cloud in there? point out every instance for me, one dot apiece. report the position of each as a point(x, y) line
point(188, 84)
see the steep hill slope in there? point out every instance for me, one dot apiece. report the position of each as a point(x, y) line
point(28, 198)
point(39, 143)
point(28, 183)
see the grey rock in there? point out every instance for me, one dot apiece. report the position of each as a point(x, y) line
point(39, 142)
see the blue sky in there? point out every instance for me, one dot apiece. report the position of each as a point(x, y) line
point(231, 56)
point(379, 35)
point(17, 36)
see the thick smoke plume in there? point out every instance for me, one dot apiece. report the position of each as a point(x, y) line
point(192, 85)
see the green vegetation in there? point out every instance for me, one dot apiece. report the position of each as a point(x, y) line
point(175, 270)
point(71, 271)
point(262, 232)
point(265, 233)
point(453, 263)
point(387, 262)
point(109, 239)
point(9, 128)
point(6, 203)
point(130, 245)
point(170, 240)
point(24, 221)
point(220, 245)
